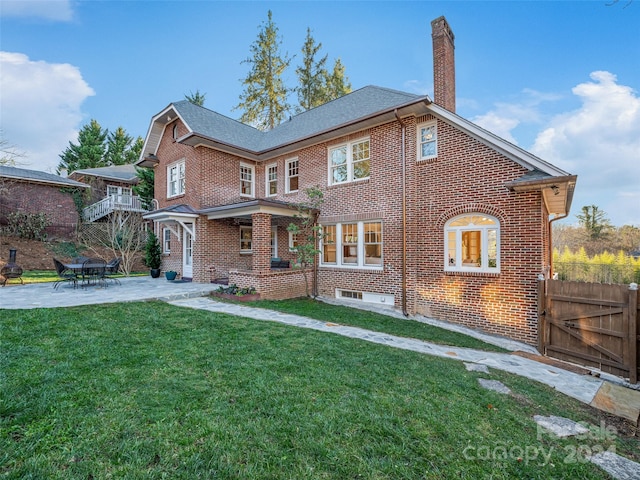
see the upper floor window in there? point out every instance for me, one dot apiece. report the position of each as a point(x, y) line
point(247, 180)
point(357, 244)
point(246, 234)
point(427, 141)
point(166, 240)
point(175, 179)
point(349, 162)
point(272, 180)
point(472, 243)
point(292, 175)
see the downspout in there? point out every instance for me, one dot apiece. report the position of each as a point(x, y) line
point(404, 216)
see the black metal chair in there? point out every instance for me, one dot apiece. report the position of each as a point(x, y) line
point(111, 269)
point(93, 272)
point(64, 274)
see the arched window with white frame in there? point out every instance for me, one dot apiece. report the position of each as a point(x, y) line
point(472, 243)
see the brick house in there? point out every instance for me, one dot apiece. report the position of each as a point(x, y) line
point(423, 210)
point(33, 192)
point(111, 189)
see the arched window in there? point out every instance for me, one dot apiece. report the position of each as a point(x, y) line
point(472, 243)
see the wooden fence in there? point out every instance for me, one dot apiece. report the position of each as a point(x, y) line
point(591, 324)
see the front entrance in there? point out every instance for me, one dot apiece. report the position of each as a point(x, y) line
point(187, 251)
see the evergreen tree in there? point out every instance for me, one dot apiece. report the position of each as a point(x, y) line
point(312, 76)
point(144, 189)
point(89, 152)
point(121, 148)
point(337, 83)
point(594, 221)
point(264, 100)
point(196, 98)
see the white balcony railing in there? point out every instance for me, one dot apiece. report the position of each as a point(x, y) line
point(128, 203)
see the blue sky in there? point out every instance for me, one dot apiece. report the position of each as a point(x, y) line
point(560, 79)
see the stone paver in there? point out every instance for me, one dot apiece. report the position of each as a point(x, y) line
point(494, 385)
point(618, 467)
point(560, 426)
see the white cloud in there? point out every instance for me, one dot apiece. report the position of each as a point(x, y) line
point(600, 142)
point(40, 107)
point(56, 10)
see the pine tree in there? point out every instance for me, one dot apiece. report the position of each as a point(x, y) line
point(196, 98)
point(89, 152)
point(145, 186)
point(312, 76)
point(337, 83)
point(264, 100)
point(121, 148)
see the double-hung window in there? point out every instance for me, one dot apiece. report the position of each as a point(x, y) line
point(272, 180)
point(166, 241)
point(427, 141)
point(349, 162)
point(355, 244)
point(472, 243)
point(247, 180)
point(175, 179)
point(293, 167)
point(246, 235)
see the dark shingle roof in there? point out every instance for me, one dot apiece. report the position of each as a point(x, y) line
point(38, 177)
point(125, 173)
point(356, 105)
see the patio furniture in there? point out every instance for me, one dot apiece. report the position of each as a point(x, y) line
point(112, 269)
point(65, 274)
point(277, 262)
point(93, 272)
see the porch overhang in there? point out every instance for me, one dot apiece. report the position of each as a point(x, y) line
point(246, 209)
point(182, 215)
point(557, 192)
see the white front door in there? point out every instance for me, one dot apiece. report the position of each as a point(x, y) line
point(187, 252)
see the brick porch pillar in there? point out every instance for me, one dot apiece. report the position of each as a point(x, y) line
point(261, 242)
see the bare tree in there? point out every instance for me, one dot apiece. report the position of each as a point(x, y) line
point(125, 234)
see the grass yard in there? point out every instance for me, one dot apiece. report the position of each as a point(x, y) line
point(150, 390)
point(373, 321)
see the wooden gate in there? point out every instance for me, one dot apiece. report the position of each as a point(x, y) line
point(590, 324)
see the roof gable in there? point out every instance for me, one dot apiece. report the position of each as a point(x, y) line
point(36, 176)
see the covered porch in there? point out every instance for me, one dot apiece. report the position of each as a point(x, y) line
point(264, 246)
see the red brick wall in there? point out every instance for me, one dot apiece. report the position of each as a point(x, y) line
point(467, 176)
point(35, 198)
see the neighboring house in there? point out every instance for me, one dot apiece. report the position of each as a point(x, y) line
point(423, 210)
point(33, 192)
point(111, 189)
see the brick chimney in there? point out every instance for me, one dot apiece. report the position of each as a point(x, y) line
point(444, 71)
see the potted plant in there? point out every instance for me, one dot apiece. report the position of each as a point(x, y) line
point(153, 255)
point(170, 274)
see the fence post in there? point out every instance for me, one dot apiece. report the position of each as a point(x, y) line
point(542, 317)
point(633, 333)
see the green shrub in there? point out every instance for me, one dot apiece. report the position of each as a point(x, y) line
point(28, 225)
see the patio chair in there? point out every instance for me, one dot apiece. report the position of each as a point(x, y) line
point(64, 274)
point(93, 272)
point(112, 269)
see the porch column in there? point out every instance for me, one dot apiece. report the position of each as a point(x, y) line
point(261, 242)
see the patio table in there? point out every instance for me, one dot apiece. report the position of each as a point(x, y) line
point(92, 271)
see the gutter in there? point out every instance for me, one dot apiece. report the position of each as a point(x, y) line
point(404, 215)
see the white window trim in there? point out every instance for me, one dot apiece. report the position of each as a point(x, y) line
point(288, 176)
point(274, 242)
point(246, 251)
point(180, 185)
point(360, 248)
point(253, 179)
point(267, 190)
point(432, 123)
point(484, 250)
point(292, 248)
point(166, 242)
point(349, 146)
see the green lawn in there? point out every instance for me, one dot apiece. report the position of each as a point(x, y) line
point(373, 321)
point(150, 390)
